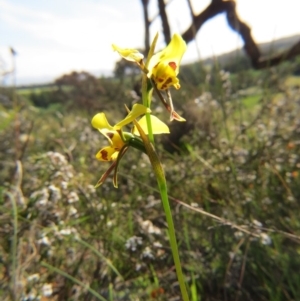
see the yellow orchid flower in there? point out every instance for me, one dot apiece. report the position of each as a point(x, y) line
point(164, 65)
point(110, 153)
point(113, 133)
point(119, 141)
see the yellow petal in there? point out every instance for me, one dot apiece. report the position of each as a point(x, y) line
point(171, 55)
point(128, 54)
point(114, 138)
point(100, 122)
point(137, 110)
point(158, 127)
point(107, 154)
point(164, 66)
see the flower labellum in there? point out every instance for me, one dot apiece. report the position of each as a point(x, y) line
point(164, 65)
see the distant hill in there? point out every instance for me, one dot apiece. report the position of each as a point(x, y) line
point(49, 80)
point(234, 61)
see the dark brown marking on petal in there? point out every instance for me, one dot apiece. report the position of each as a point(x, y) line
point(110, 135)
point(160, 80)
point(166, 83)
point(104, 155)
point(169, 80)
point(173, 65)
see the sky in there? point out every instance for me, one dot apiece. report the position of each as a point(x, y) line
point(55, 37)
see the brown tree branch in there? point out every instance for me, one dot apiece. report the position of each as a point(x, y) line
point(219, 6)
point(164, 20)
point(147, 24)
point(243, 30)
point(215, 8)
point(193, 17)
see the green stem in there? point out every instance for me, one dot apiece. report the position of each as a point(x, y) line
point(173, 242)
point(146, 102)
point(146, 93)
point(162, 185)
point(159, 173)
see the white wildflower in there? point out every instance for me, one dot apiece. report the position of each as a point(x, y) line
point(157, 244)
point(265, 239)
point(44, 241)
point(72, 211)
point(133, 242)
point(147, 226)
point(47, 290)
point(66, 231)
point(72, 197)
point(55, 194)
point(256, 223)
point(147, 254)
point(33, 277)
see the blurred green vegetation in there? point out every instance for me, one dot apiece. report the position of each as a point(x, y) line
point(233, 174)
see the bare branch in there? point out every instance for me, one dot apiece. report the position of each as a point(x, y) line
point(164, 20)
point(215, 8)
point(244, 31)
point(219, 6)
point(147, 24)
